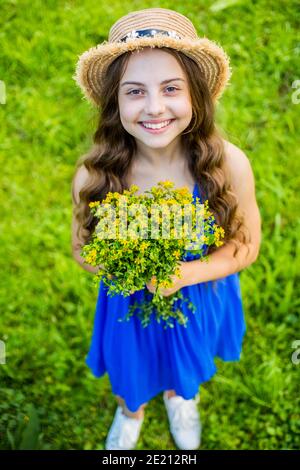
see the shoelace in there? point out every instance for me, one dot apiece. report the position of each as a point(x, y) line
point(124, 438)
point(185, 414)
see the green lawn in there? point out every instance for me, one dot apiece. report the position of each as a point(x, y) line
point(49, 398)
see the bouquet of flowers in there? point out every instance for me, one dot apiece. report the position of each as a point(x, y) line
point(143, 237)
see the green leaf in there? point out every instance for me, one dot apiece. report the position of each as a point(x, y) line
point(31, 432)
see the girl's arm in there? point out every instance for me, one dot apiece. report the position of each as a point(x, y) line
point(221, 263)
point(77, 244)
point(76, 250)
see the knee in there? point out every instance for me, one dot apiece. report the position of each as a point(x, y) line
point(122, 402)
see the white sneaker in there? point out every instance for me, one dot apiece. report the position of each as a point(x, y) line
point(124, 432)
point(185, 425)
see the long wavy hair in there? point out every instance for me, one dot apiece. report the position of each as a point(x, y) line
point(111, 156)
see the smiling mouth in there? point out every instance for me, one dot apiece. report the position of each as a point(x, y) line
point(157, 129)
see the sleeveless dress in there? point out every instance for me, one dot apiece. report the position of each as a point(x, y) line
point(143, 362)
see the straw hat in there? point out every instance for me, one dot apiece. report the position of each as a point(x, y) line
point(154, 27)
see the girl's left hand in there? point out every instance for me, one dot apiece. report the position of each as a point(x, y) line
point(177, 283)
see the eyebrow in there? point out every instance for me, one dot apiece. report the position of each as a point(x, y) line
point(143, 84)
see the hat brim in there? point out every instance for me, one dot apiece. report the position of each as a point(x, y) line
point(210, 57)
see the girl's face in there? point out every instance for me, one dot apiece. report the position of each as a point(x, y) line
point(155, 98)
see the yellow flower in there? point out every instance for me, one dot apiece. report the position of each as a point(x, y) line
point(133, 188)
point(166, 184)
point(166, 284)
point(178, 272)
point(183, 191)
point(187, 200)
point(171, 201)
point(91, 256)
point(94, 204)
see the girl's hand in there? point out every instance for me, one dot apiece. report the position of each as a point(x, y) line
point(177, 283)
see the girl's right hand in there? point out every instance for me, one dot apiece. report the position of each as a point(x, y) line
point(151, 284)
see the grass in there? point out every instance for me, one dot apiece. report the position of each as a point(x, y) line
point(49, 399)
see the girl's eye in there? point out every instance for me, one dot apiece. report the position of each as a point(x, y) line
point(131, 92)
point(173, 87)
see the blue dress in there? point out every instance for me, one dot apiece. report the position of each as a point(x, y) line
point(143, 362)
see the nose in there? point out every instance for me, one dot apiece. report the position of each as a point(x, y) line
point(154, 104)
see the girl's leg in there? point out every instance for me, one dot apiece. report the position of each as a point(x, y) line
point(171, 393)
point(137, 414)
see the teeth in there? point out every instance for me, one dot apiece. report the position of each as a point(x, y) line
point(157, 126)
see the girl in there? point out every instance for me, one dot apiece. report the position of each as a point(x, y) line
point(156, 84)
